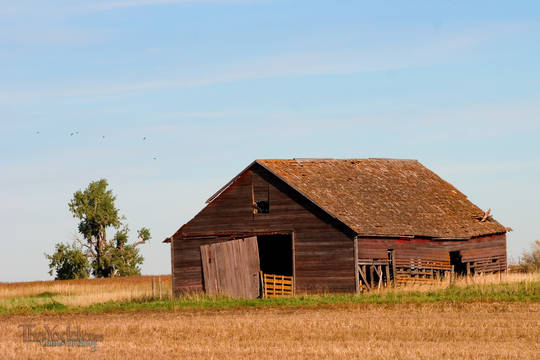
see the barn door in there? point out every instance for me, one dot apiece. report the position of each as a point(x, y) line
point(231, 268)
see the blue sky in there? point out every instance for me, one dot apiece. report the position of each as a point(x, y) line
point(213, 85)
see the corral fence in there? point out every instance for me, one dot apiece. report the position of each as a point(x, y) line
point(273, 285)
point(376, 273)
point(373, 274)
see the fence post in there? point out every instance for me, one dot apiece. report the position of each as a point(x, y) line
point(387, 269)
point(394, 268)
point(159, 278)
point(153, 287)
point(372, 275)
point(452, 275)
point(356, 275)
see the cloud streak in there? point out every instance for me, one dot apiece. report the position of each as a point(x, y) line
point(306, 63)
point(115, 5)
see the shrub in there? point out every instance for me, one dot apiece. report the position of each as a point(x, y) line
point(529, 261)
point(68, 262)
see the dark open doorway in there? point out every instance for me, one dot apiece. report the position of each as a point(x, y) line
point(276, 254)
point(459, 267)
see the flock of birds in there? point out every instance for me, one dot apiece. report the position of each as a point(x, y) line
point(102, 136)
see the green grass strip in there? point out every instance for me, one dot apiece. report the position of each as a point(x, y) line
point(504, 292)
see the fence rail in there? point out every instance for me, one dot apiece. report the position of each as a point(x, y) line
point(422, 271)
point(274, 285)
point(486, 265)
point(376, 273)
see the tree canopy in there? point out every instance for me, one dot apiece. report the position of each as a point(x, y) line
point(68, 262)
point(96, 210)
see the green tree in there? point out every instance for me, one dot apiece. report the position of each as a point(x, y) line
point(122, 259)
point(530, 260)
point(95, 208)
point(68, 262)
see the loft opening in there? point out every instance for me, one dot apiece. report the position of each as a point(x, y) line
point(263, 206)
point(276, 254)
point(260, 197)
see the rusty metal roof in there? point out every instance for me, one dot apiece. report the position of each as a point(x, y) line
point(385, 197)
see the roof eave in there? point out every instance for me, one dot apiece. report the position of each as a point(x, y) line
point(436, 238)
point(226, 186)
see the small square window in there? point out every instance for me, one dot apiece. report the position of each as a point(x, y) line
point(263, 207)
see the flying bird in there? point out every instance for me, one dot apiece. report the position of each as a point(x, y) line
point(144, 138)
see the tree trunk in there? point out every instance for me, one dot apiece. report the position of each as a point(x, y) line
point(101, 239)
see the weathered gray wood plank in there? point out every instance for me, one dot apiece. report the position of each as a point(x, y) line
point(231, 268)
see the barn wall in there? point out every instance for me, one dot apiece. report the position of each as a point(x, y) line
point(323, 251)
point(479, 251)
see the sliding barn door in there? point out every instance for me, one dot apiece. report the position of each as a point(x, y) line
point(231, 268)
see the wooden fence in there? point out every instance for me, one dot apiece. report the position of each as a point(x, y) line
point(376, 273)
point(486, 265)
point(276, 285)
point(421, 271)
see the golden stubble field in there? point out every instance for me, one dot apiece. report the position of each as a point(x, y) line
point(393, 331)
point(84, 292)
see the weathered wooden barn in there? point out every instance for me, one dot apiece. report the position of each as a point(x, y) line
point(332, 225)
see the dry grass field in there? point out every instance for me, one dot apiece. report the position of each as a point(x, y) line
point(481, 328)
point(404, 331)
point(84, 292)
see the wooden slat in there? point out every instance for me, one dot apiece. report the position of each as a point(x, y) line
point(209, 270)
point(286, 282)
point(363, 274)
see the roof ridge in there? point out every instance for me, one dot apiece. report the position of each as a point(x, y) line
point(399, 159)
point(334, 159)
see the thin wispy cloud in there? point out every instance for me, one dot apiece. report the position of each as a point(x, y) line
point(193, 115)
point(492, 167)
point(304, 63)
point(62, 8)
point(114, 5)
